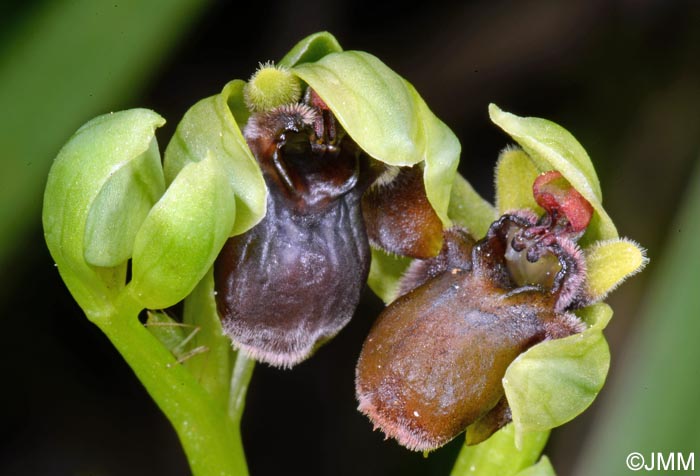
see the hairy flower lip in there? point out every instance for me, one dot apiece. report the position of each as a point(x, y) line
point(434, 362)
point(319, 210)
point(293, 281)
point(407, 432)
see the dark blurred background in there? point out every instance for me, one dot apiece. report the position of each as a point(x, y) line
point(622, 75)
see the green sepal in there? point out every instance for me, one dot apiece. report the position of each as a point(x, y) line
point(551, 147)
point(183, 234)
point(385, 272)
point(515, 175)
point(468, 209)
point(310, 49)
point(556, 380)
point(387, 118)
point(233, 92)
point(499, 454)
point(110, 156)
point(209, 127)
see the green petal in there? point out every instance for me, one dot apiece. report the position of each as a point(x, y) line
point(515, 174)
point(468, 209)
point(441, 155)
point(609, 263)
point(233, 93)
point(373, 104)
point(82, 185)
point(552, 147)
point(310, 49)
point(387, 118)
point(183, 234)
point(209, 127)
point(499, 455)
point(542, 468)
point(556, 380)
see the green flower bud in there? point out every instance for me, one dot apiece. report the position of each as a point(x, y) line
point(182, 234)
point(100, 188)
point(211, 127)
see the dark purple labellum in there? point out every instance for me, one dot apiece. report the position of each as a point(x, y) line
point(294, 280)
point(432, 364)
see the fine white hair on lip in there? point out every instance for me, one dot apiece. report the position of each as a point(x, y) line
point(404, 430)
point(276, 120)
point(302, 343)
point(387, 177)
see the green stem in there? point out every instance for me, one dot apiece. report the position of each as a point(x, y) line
point(211, 441)
point(240, 378)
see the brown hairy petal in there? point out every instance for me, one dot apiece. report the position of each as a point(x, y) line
point(399, 218)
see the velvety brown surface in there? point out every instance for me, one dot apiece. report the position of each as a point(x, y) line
point(294, 280)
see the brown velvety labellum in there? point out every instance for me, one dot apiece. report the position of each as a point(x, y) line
point(433, 362)
point(294, 280)
point(399, 216)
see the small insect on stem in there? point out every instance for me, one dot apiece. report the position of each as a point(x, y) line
point(171, 334)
